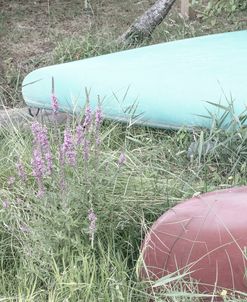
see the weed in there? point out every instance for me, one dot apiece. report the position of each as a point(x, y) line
point(226, 142)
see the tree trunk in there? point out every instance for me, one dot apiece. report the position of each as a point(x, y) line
point(144, 25)
point(185, 5)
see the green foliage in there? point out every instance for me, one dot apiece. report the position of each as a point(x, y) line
point(226, 142)
point(90, 46)
point(226, 6)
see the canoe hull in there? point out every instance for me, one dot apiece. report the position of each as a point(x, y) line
point(165, 85)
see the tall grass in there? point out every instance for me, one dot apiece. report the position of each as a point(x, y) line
point(224, 145)
point(47, 250)
point(51, 250)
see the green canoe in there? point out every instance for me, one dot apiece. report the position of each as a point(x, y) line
point(166, 85)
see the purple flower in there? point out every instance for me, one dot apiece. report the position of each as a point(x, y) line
point(68, 149)
point(54, 103)
point(24, 228)
point(39, 170)
point(62, 182)
point(122, 159)
point(41, 142)
point(98, 117)
point(92, 224)
point(88, 117)
point(18, 200)
point(41, 191)
point(21, 171)
point(40, 135)
point(38, 164)
point(98, 121)
point(48, 158)
point(61, 161)
point(98, 141)
point(5, 204)
point(86, 149)
point(11, 180)
point(79, 134)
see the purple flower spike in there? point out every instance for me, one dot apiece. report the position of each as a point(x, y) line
point(5, 204)
point(11, 180)
point(21, 171)
point(122, 159)
point(48, 158)
point(71, 156)
point(41, 142)
point(79, 134)
point(98, 117)
point(38, 164)
point(92, 224)
point(98, 122)
point(24, 228)
point(40, 135)
point(39, 170)
point(86, 149)
point(88, 117)
point(98, 141)
point(68, 148)
point(54, 103)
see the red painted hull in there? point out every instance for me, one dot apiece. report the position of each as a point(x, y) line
point(205, 234)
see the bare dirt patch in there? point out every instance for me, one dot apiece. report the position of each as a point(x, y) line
point(30, 30)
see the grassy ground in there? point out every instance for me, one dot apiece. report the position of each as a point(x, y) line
point(49, 250)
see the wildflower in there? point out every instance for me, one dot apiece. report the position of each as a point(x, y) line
point(39, 134)
point(41, 191)
point(67, 149)
point(41, 141)
point(86, 149)
point(97, 140)
point(48, 158)
point(61, 161)
point(21, 171)
point(122, 159)
point(24, 228)
point(62, 182)
point(11, 180)
point(39, 169)
point(18, 200)
point(54, 104)
point(98, 121)
point(79, 134)
point(5, 204)
point(92, 224)
point(37, 164)
point(98, 117)
point(88, 117)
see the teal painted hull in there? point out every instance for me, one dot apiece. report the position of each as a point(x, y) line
point(165, 85)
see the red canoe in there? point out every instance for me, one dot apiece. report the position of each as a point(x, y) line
point(206, 234)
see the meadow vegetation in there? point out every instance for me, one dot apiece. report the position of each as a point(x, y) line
point(77, 200)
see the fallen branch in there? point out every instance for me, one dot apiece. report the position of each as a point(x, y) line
point(144, 25)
